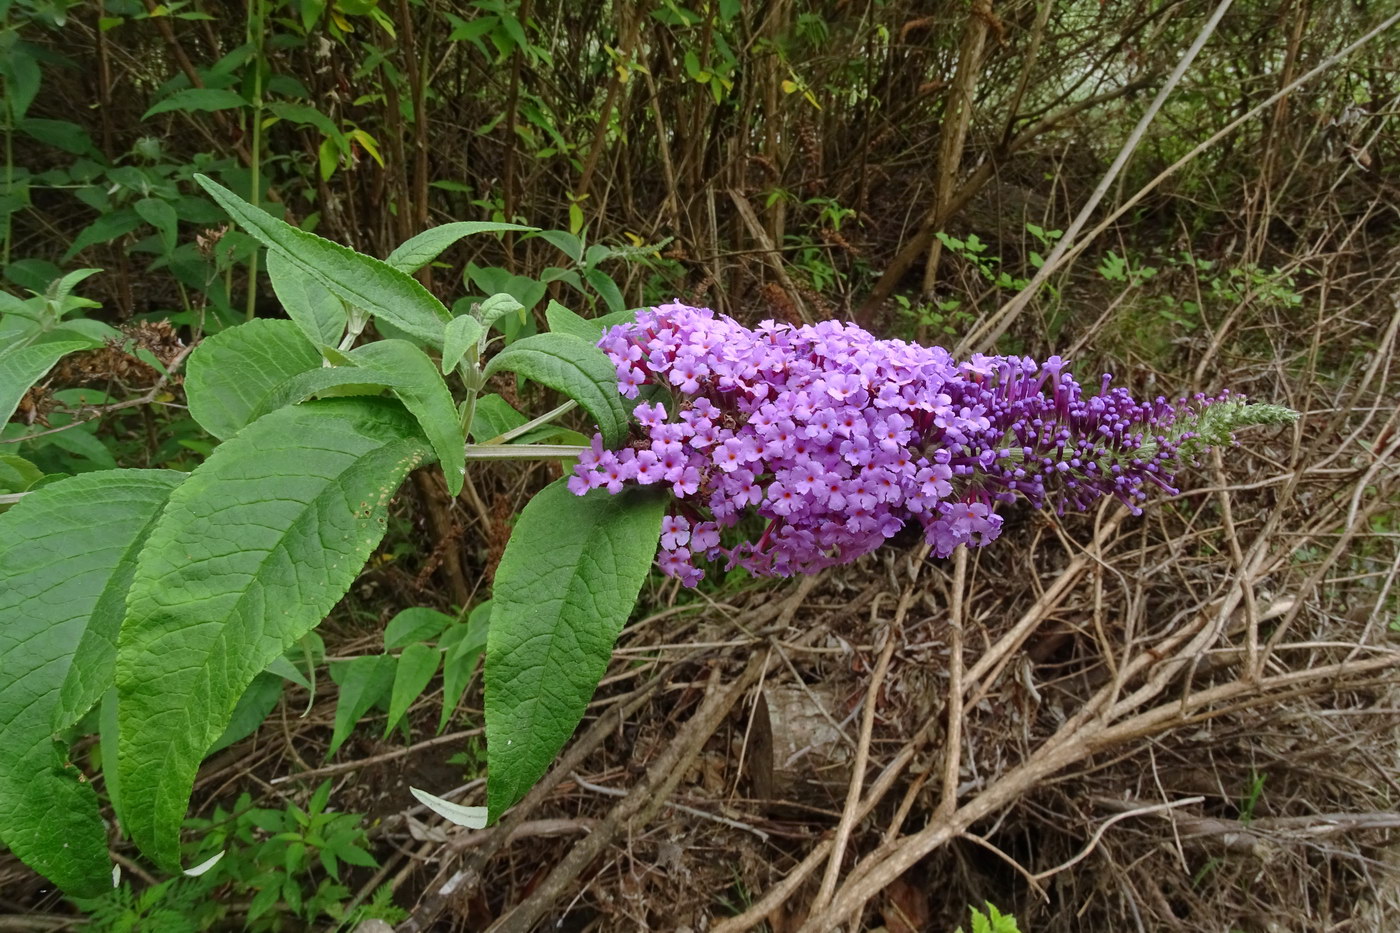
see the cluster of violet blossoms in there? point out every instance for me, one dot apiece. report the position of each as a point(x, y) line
point(838, 439)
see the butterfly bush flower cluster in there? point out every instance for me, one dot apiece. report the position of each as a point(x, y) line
point(836, 439)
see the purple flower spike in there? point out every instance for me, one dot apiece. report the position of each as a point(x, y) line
point(838, 439)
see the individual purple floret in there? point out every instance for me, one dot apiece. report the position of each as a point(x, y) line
point(838, 439)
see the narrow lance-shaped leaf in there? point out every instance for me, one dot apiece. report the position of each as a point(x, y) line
point(577, 369)
point(251, 553)
point(363, 682)
point(363, 281)
point(567, 582)
point(416, 252)
point(232, 375)
point(417, 665)
point(425, 394)
point(67, 555)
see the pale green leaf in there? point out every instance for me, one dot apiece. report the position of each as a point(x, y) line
point(254, 549)
point(417, 665)
point(425, 394)
point(231, 375)
point(566, 584)
point(470, 817)
point(320, 314)
point(496, 307)
point(463, 333)
point(67, 555)
point(577, 369)
point(416, 252)
point(363, 281)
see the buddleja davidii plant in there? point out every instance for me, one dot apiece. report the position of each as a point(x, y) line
point(160, 596)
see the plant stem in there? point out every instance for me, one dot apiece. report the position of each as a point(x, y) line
point(255, 36)
point(522, 451)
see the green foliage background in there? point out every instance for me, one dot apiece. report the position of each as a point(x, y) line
point(769, 160)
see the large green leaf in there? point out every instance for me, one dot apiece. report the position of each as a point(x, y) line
point(320, 314)
point(425, 394)
point(572, 366)
point(67, 555)
point(364, 281)
point(416, 252)
point(253, 550)
point(21, 368)
point(567, 582)
point(231, 375)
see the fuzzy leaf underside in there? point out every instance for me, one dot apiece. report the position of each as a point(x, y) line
point(566, 584)
point(252, 551)
point(67, 555)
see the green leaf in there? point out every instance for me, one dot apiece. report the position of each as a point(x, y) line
point(496, 307)
point(103, 230)
point(567, 582)
point(417, 665)
point(363, 682)
point(198, 99)
point(467, 643)
point(161, 215)
point(565, 242)
point(61, 134)
point(425, 394)
point(320, 315)
point(231, 375)
point(308, 116)
point(20, 369)
point(19, 66)
point(571, 366)
point(463, 333)
point(363, 281)
point(254, 549)
point(17, 474)
point(416, 252)
point(563, 321)
point(416, 624)
point(253, 707)
point(494, 416)
point(67, 555)
point(604, 285)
